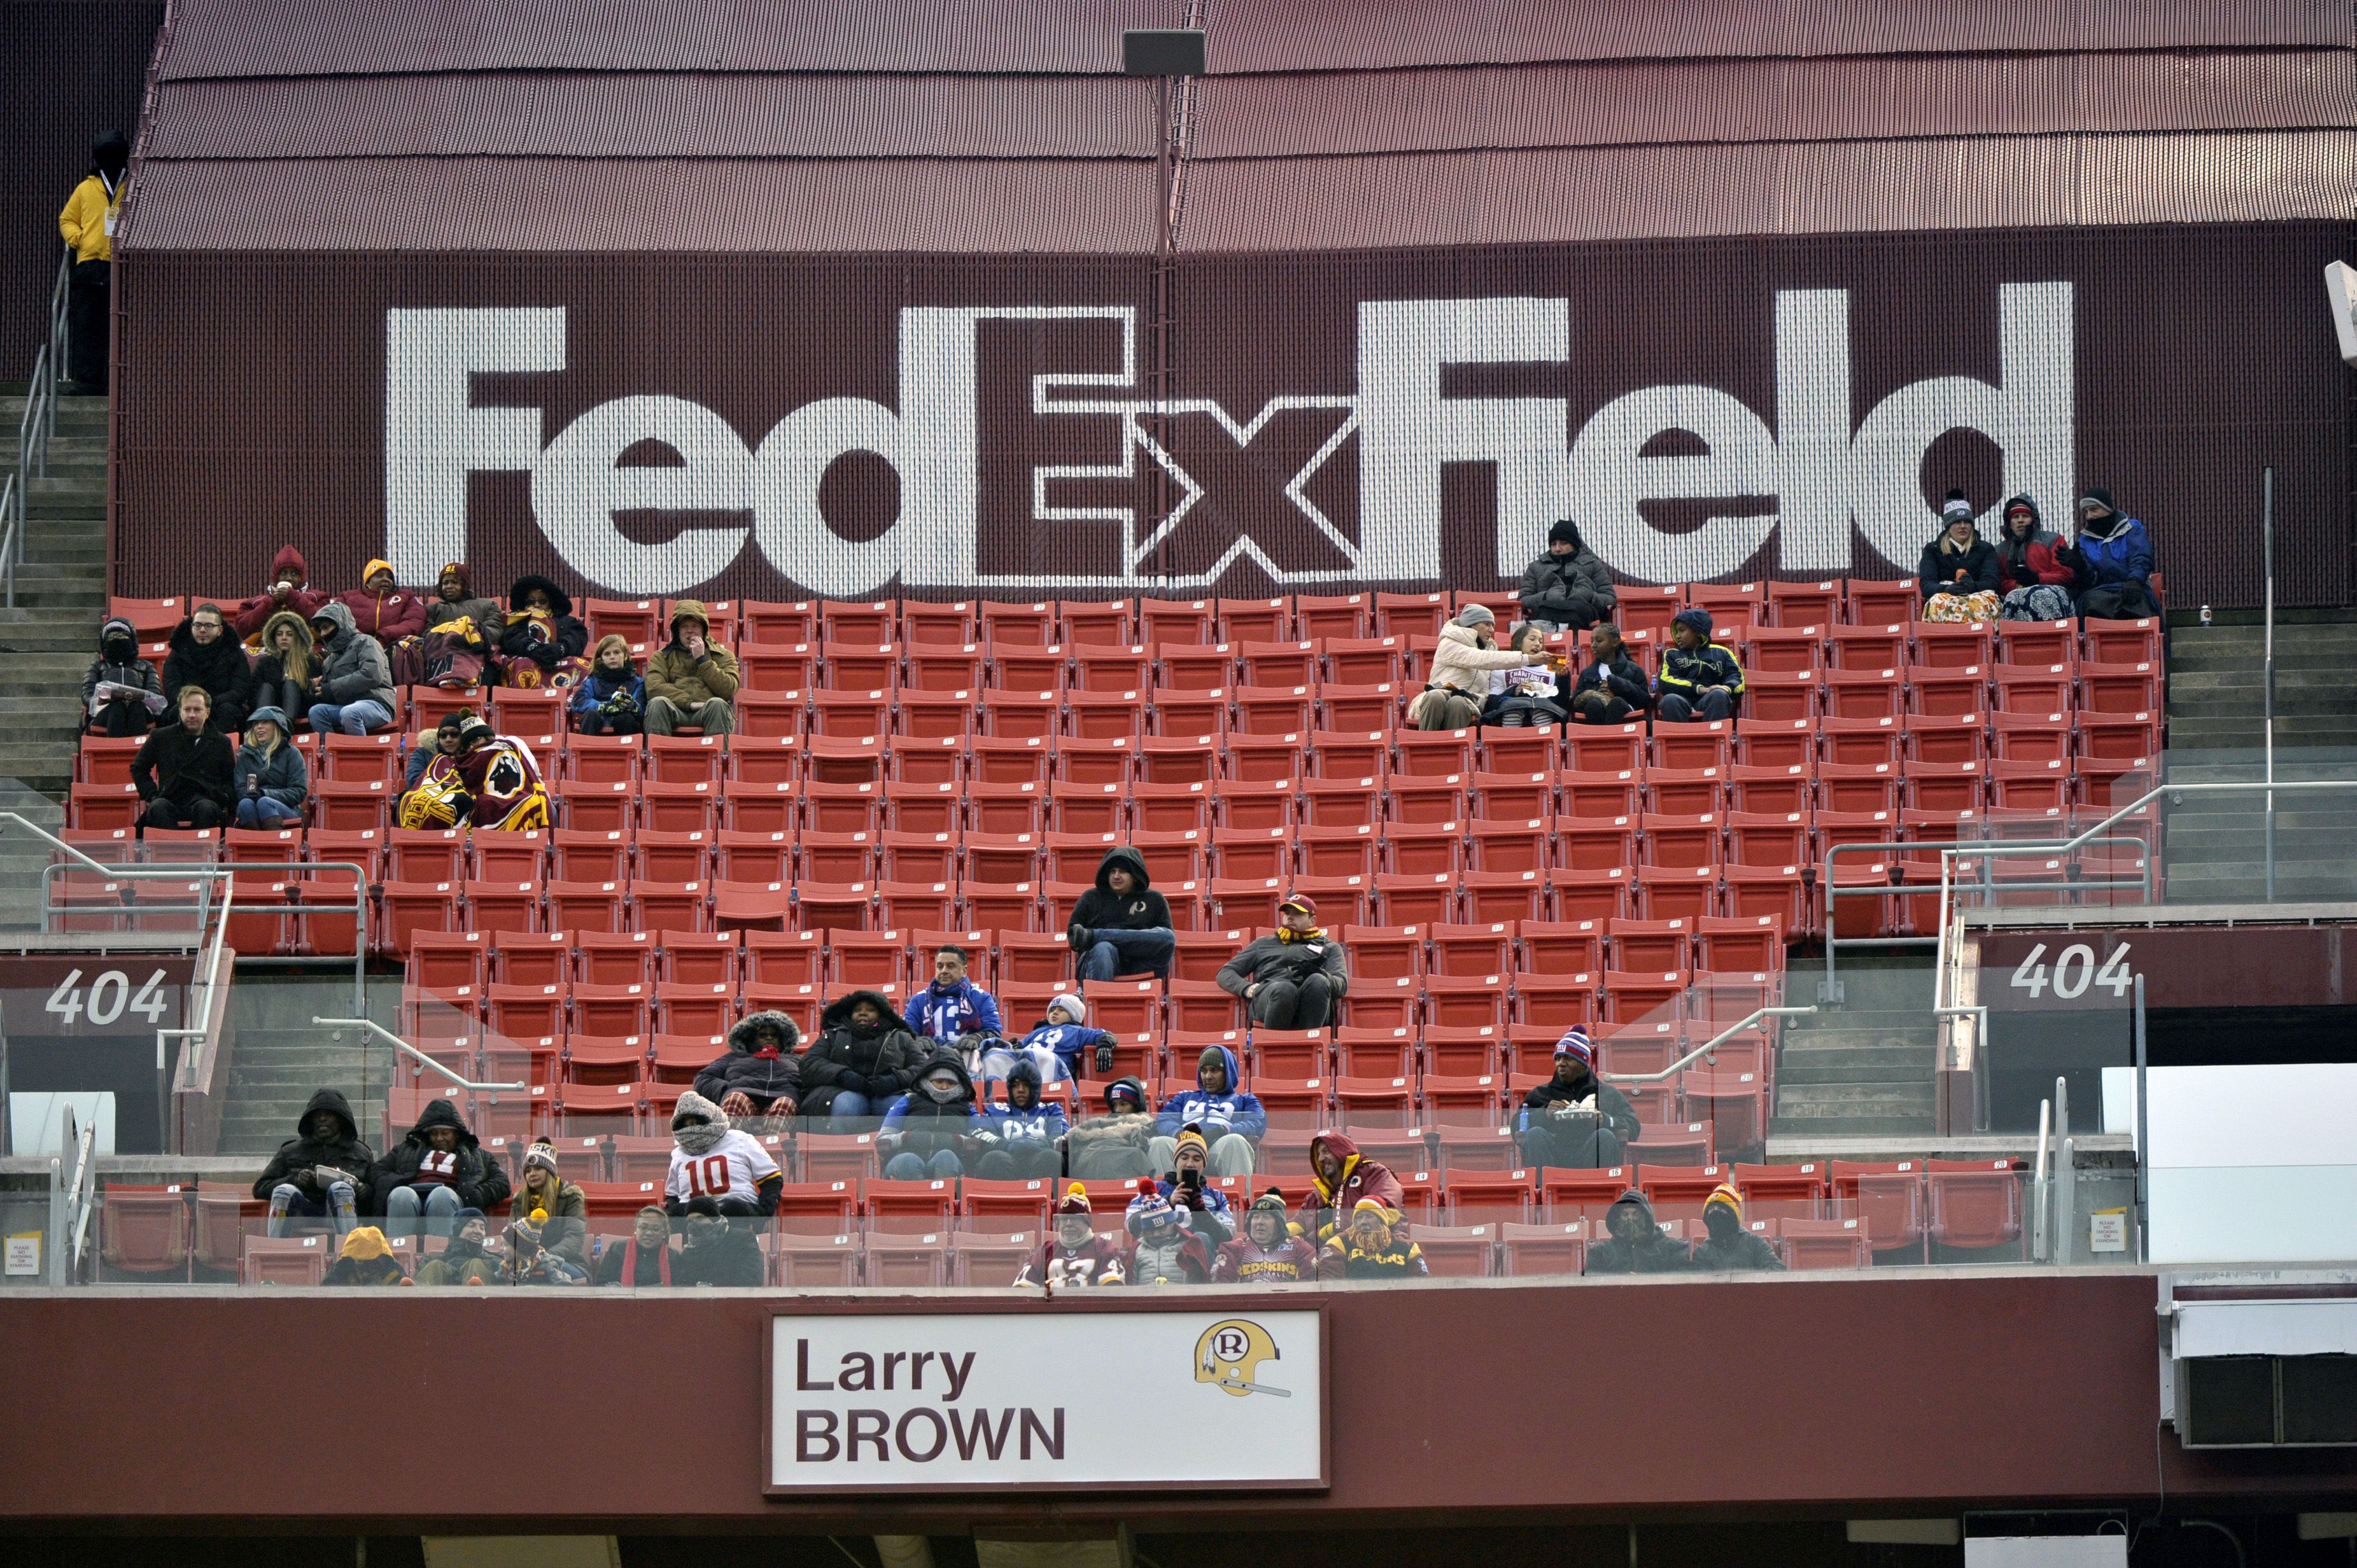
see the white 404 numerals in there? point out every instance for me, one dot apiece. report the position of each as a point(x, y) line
point(108, 998)
point(2074, 970)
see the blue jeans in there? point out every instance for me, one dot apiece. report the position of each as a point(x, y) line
point(1710, 704)
point(440, 1203)
point(1128, 953)
point(261, 811)
point(850, 1112)
point(911, 1166)
point(288, 1200)
point(351, 718)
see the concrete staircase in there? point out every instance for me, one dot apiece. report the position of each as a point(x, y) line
point(47, 641)
point(2216, 846)
point(280, 1058)
point(1857, 1072)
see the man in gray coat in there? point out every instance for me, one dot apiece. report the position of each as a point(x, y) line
point(1291, 979)
point(353, 688)
point(1566, 589)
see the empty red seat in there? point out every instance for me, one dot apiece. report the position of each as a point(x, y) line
point(1176, 620)
point(2122, 688)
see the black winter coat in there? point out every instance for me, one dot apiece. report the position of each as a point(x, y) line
point(1651, 1254)
point(1611, 1105)
point(759, 1078)
point(482, 1181)
point(220, 667)
point(1099, 909)
point(184, 768)
point(344, 1151)
point(1623, 678)
point(1572, 590)
point(880, 1062)
point(1742, 1250)
point(1936, 573)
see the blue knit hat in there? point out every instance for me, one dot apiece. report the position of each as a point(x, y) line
point(1696, 617)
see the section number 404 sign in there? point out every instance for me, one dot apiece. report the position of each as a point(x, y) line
point(2074, 971)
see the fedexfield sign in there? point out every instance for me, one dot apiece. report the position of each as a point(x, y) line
point(949, 1400)
point(1800, 475)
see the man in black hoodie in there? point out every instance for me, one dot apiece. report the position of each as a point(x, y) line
point(1566, 589)
point(321, 1172)
point(1636, 1245)
point(1121, 926)
point(204, 654)
point(864, 1058)
point(439, 1169)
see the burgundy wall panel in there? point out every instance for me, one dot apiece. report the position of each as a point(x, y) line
point(772, 425)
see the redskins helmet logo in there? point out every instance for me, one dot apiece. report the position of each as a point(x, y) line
point(1229, 1356)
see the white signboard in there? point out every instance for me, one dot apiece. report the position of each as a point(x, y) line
point(941, 1401)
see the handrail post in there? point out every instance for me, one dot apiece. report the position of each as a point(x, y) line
point(2038, 1193)
point(2143, 1145)
point(2267, 529)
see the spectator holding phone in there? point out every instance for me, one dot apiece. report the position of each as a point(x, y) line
point(1575, 1120)
point(1202, 1207)
point(1166, 1252)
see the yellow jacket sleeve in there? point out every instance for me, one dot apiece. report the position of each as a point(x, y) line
point(83, 222)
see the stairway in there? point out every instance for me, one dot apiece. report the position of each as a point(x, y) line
point(279, 1058)
point(1861, 1071)
point(47, 640)
point(2216, 846)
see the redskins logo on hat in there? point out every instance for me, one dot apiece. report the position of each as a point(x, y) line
point(1229, 1356)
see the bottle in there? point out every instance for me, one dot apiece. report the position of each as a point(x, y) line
point(2205, 615)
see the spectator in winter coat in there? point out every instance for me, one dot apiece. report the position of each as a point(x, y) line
point(691, 679)
point(952, 1006)
point(500, 782)
point(542, 641)
point(184, 771)
point(430, 797)
point(204, 654)
point(723, 1253)
point(1268, 1252)
point(439, 1169)
point(1373, 1246)
point(644, 1258)
point(353, 691)
point(320, 1173)
point(1731, 1244)
point(715, 1170)
point(466, 1260)
point(1292, 979)
point(1700, 681)
point(1339, 1179)
point(1204, 1207)
point(1117, 1145)
point(382, 609)
point(1231, 1120)
point(548, 1224)
point(936, 1127)
point(1074, 1256)
point(612, 698)
point(87, 225)
point(366, 1260)
point(863, 1060)
point(2031, 575)
point(1958, 574)
point(281, 676)
point(1458, 685)
point(1031, 1131)
point(1530, 694)
point(455, 599)
point(1566, 589)
point(2113, 560)
point(272, 778)
point(1121, 926)
point(1635, 1244)
point(1062, 1047)
point(1575, 1120)
point(1612, 690)
point(759, 1075)
point(121, 695)
point(289, 589)
point(1164, 1251)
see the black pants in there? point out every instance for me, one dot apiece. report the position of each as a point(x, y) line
point(122, 717)
point(1595, 707)
point(86, 296)
point(203, 813)
point(1021, 1162)
point(599, 721)
point(720, 1207)
point(1585, 1148)
point(1305, 1004)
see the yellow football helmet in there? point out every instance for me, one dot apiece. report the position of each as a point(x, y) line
point(1230, 1354)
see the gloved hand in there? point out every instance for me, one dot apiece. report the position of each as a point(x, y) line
point(464, 805)
point(1104, 1055)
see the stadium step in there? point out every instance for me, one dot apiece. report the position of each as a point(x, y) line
point(1860, 1073)
point(50, 633)
point(22, 856)
point(280, 1059)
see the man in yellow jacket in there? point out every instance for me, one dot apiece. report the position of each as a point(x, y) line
point(88, 225)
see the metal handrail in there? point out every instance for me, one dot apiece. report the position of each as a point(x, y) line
point(389, 1038)
point(1708, 1048)
point(82, 1195)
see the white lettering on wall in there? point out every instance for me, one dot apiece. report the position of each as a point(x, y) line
point(435, 436)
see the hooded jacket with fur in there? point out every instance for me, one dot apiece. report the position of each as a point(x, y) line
point(546, 639)
point(880, 1062)
point(480, 1181)
point(340, 1150)
point(1101, 909)
point(919, 1124)
point(352, 667)
point(221, 667)
point(744, 1068)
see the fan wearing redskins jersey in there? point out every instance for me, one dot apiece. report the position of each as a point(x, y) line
point(500, 781)
point(1075, 1255)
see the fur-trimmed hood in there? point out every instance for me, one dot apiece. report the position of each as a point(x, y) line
point(741, 1036)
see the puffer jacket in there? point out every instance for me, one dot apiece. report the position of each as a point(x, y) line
point(284, 776)
point(742, 1069)
point(388, 617)
point(221, 668)
point(480, 1181)
point(919, 1124)
point(119, 663)
point(1936, 572)
point(2121, 554)
point(1570, 590)
point(354, 668)
point(1461, 664)
point(880, 1062)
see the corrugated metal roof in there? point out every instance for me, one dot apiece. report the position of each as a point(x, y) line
point(1498, 197)
point(641, 115)
point(1745, 101)
point(1351, 35)
point(579, 204)
point(303, 38)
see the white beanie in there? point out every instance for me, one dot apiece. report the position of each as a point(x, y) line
point(1071, 1004)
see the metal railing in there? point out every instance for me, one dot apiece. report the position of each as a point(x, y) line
point(406, 1049)
point(78, 1195)
point(35, 425)
point(1708, 1048)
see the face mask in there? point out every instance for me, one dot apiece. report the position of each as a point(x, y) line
point(943, 1090)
